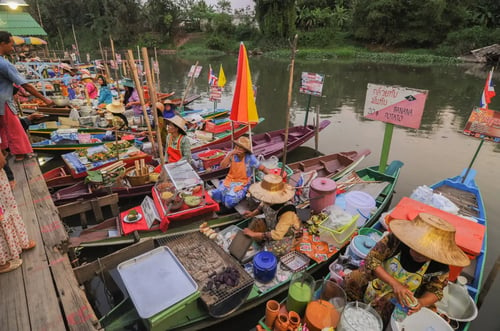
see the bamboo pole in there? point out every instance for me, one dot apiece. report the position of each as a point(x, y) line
point(153, 97)
point(140, 92)
point(188, 86)
point(106, 67)
point(289, 101)
point(158, 86)
point(113, 54)
point(316, 131)
point(76, 42)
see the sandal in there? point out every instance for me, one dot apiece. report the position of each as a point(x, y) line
point(31, 245)
point(13, 265)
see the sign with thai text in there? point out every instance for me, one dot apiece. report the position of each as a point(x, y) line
point(311, 83)
point(150, 213)
point(484, 123)
point(195, 70)
point(215, 93)
point(394, 104)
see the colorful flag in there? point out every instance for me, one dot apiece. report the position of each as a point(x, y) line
point(212, 79)
point(222, 77)
point(488, 92)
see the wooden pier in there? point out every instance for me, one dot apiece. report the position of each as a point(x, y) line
point(43, 294)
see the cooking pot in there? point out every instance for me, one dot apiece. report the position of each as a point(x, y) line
point(60, 100)
point(264, 266)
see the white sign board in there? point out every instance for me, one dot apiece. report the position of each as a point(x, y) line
point(150, 213)
point(195, 71)
point(311, 83)
point(395, 104)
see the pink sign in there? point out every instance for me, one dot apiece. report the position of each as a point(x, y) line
point(484, 123)
point(394, 104)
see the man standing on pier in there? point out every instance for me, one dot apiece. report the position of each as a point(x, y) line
point(11, 131)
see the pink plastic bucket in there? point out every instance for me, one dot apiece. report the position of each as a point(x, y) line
point(322, 194)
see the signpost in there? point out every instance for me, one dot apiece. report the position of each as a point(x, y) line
point(394, 105)
point(312, 84)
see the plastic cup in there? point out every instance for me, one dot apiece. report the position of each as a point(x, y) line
point(333, 293)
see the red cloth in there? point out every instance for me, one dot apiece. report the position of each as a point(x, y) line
point(12, 133)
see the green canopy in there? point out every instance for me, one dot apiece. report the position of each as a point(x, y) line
point(20, 24)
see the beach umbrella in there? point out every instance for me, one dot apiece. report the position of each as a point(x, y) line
point(34, 41)
point(18, 40)
point(244, 109)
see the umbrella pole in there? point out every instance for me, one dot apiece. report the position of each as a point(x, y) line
point(153, 96)
point(289, 102)
point(140, 92)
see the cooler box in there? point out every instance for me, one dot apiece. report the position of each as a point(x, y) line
point(217, 128)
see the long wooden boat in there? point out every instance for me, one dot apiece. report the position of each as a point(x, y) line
point(266, 144)
point(48, 146)
point(333, 165)
point(193, 315)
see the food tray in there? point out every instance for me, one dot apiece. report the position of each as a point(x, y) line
point(155, 281)
point(295, 261)
point(202, 257)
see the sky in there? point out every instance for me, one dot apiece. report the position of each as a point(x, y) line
point(235, 4)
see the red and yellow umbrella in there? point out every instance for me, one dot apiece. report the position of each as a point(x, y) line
point(34, 41)
point(18, 40)
point(243, 109)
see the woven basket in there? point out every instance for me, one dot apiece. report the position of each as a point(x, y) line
point(136, 180)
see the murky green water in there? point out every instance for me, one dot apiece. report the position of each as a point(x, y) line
point(435, 151)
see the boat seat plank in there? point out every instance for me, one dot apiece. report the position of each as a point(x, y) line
point(95, 205)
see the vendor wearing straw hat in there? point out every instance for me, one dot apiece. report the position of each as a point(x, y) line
point(280, 214)
point(90, 87)
point(117, 109)
point(131, 98)
point(241, 163)
point(177, 146)
point(410, 265)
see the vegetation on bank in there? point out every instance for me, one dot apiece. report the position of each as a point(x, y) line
point(379, 30)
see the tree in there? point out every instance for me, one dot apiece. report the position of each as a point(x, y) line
point(276, 18)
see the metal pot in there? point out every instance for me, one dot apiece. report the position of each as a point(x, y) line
point(85, 111)
point(60, 100)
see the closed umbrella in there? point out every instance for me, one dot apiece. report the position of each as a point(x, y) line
point(34, 41)
point(18, 40)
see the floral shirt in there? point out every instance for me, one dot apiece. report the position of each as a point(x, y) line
point(435, 278)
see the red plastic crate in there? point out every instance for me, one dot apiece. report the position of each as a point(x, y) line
point(214, 128)
point(208, 160)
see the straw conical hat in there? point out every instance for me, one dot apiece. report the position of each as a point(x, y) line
point(272, 190)
point(115, 107)
point(244, 143)
point(178, 122)
point(432, 237)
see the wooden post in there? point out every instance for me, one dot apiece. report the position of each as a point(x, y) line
point(487, 284)
point(188, 86)
point(76, 42)
point(140, 92)
point(316, 131)
point(153, 97)
point(106, 67)
point(158, 86)
point(289, 102)
point(114, 59)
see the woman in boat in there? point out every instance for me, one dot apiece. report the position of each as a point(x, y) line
point(241, 164)
point(13, 235)
point(280, 214)
point(89, 86)
point(177, 145)
point(169, 109)
point(116, 108)
point(105, 96)
point(131, 98)
point(410, 263)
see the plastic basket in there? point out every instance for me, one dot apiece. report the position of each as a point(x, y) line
point(276, 171)
point(217, 128)
point(210, 159)
point(340, 236)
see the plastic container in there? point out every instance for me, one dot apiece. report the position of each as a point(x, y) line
point(372, 233)
point(300, 292)
point(424, 319)
point(361, 203)
point(217, 128)
point(322, 193)
point(334, 294)
point(338, 237)
point(264, 266)
point(360, 246)
point(211, 157)
point(360, 316)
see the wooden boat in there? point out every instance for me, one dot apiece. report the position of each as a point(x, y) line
point(333, 165)
point(43, 131)
point(187, 101)
point(266, 144)
point(49, 146)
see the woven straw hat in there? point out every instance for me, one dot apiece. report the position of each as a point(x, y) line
point(244, 143)
point(272, 190)
point(178, 122)
point(432, 237)
point(115, 107)
point(86, 76)
point(128, 82)
point(160, 106)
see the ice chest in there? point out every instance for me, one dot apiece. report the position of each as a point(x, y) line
point(217, 128)
point(158, 285)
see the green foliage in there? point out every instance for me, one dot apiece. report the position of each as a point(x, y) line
point(462, 41)
point(217, 42)
point(276, 18)
point(318, 38)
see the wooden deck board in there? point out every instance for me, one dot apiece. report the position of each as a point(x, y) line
point(44, 293)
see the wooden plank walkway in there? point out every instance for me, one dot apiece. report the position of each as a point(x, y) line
point(43, 294)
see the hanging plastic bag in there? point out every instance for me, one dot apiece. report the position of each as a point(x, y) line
point(270, 163)
point(74, 115)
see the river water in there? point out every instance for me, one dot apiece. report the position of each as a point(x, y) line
point(435, 151)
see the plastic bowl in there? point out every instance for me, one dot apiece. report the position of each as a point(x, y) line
point(192, 200)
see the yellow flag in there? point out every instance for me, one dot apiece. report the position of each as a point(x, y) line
point(222, 78)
